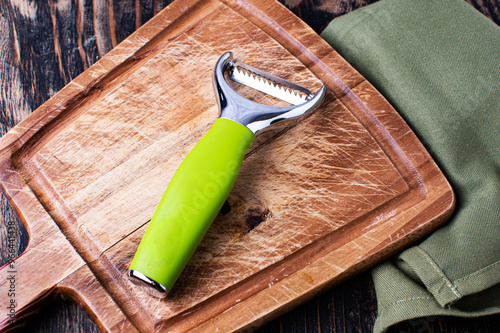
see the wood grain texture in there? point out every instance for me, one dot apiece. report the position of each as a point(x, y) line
point(89, 45)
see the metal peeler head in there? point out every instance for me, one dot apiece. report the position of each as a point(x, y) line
point(256, 116)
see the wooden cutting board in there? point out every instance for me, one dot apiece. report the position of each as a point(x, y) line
point(314, 203)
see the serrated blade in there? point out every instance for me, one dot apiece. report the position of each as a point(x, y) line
point(269, 84)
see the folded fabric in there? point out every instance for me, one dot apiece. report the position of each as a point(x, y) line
point(438, 64)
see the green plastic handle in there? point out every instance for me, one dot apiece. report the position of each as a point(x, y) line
point(191, 202)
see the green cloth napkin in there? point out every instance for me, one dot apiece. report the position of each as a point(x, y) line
point(438, 64)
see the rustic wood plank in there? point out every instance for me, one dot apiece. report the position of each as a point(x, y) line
point(490, 8)
point(39, 72)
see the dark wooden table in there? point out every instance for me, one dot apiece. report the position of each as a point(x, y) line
point(45, 44)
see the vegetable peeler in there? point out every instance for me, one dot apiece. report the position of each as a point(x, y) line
point(204, 179)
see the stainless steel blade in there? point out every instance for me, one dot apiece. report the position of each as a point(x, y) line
point(269, 84)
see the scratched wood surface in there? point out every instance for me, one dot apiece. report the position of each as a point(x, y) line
point(67, 73)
